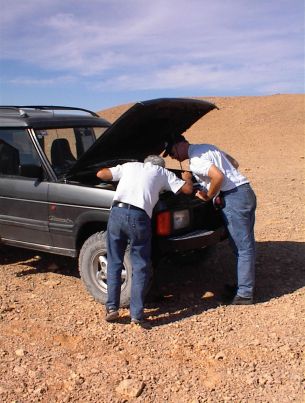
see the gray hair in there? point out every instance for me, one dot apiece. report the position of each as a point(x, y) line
point(155, 160)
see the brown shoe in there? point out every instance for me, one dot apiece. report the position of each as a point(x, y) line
point(111, 315)
point(237, 300)
point(141, 323)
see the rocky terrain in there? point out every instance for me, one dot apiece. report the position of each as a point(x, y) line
point(56, 347)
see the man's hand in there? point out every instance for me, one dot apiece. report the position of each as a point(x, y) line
point(104, 174)
point(202, 195)
point(186, 176)
point(187, 188)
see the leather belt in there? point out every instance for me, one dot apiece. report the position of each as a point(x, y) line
point(126, 205)
point(233, 190)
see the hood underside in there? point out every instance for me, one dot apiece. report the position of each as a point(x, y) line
point(142, 130)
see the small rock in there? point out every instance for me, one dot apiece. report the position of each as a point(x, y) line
point(19, 352)
point(40, 390)
point(52, 283)
point(19, 370)
point(81, 357)
point(219, 356)
point(256, 342)
point(130, 388)
point(2, 390)
point(207, 295)
point(79, 380)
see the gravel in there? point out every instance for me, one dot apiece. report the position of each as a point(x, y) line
point(55, 345)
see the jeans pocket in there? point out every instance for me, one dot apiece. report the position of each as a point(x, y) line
point(141, 228)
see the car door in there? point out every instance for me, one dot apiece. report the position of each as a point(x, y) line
point(23, 191)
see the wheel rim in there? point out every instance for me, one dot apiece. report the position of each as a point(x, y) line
point(99, 266)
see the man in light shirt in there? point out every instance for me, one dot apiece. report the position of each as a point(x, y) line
point(130, 222)
point(218, 173)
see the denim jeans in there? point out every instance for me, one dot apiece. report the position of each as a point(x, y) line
point(239, 216)
point(134, 227)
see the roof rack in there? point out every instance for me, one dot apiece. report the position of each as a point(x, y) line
point(20, 108)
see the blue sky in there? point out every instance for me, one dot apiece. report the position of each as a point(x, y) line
point(100, 53)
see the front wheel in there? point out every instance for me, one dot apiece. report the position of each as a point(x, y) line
point(93, 269)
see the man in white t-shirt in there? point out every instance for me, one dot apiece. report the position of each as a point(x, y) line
point(217, 172)
point(130, 222)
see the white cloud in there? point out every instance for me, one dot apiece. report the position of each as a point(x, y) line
point(140, 45)
point(26, 81)
point(207, 77)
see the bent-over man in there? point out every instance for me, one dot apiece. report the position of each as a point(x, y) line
point(217, 172)
point(130, 222)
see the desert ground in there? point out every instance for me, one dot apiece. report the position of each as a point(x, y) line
point(56, 347)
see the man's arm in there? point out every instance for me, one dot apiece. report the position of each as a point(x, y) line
point(188, 186)
point(216, 177)
point(104, 174)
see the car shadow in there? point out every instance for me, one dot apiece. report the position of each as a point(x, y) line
point(37, 262)
point(191, 284)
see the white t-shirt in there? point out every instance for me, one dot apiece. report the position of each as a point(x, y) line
point(203, 156)
point(140, 184)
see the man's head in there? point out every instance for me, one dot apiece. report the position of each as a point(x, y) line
point(177, 148)
point(155, 160)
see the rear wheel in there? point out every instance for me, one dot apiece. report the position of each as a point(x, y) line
point(93, 269)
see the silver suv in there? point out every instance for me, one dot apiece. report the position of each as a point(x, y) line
point(52, 201)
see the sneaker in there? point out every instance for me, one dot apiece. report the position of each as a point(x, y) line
point(111, 315)
point(237, 300)
point(141, 323)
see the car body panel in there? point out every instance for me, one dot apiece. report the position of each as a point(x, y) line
point(24, 210)
point(71, 206)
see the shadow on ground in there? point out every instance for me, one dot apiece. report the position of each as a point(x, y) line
point(188, 285)
point(39, 262)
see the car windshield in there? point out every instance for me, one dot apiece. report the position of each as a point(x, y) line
point(64, 146)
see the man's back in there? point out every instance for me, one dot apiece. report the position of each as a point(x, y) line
point(140, 184)
point(203, 156)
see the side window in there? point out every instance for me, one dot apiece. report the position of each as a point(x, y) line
point(60, 148)
point(63, 146)
point(85, 137)
point(98, 131)
point(18, 156)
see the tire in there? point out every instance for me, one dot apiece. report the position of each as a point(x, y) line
point(93, 269)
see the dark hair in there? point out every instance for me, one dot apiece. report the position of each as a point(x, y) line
point(170, 143)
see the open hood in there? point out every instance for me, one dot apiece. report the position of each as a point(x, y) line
point(142, 130)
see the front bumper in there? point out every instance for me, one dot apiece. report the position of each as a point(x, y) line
point(192, 240)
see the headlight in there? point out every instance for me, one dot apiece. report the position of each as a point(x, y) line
point(181, 219)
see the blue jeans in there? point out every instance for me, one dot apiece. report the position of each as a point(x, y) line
point(239, 216)
point(134, 227)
